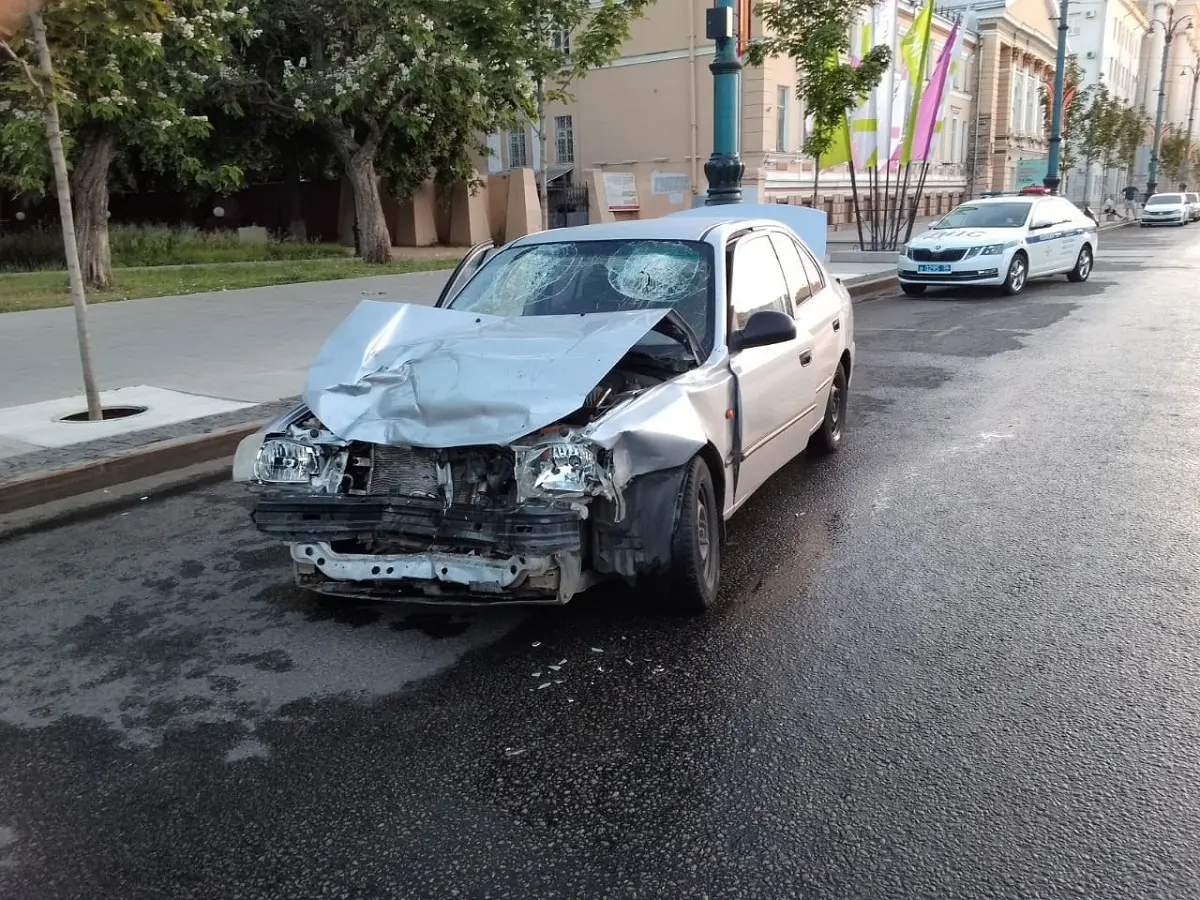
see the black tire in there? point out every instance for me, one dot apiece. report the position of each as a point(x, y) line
point(690, 584)
point(913, 289)
point(1018, 274)
point(1083, 265)
point(828, 438)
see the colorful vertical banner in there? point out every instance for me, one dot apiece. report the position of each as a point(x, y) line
point(885, 92)
point(914, 48)
point(956, 44)
point(878, 26)
point(931, 101)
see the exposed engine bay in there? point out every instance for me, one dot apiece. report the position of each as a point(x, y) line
point(518, 514)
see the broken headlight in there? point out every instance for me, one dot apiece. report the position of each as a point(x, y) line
point(282, 461)
point(562, 469)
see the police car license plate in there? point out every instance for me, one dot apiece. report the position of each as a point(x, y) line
point(933, 268)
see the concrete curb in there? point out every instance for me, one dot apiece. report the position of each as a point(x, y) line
point(873, 285)
point(40, 488)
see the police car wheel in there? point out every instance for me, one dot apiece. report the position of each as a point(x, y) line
point(1018, 274)
point(1083, 265)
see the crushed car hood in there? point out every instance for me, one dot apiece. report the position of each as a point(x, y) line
point(418, 376)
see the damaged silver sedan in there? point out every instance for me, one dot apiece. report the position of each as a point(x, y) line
point(581, 405)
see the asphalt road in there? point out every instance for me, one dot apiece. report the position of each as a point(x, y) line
point(960, 659)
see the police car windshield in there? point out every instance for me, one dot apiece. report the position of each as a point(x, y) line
point(1165, 200)
point(987, 215)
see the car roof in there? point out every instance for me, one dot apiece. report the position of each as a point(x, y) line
point(676, 228)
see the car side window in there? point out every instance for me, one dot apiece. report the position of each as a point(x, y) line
point(757, 281)
point(816, 278)
point(1043, 215)
point(793, 269)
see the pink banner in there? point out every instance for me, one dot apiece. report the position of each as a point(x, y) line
point(931, 100)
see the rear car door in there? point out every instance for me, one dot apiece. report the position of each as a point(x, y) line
point(1070, 231)
point(776, 384)
point(818, 310)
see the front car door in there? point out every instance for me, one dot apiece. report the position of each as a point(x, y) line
point(776, 384)
point(1041, 241)
point(463, 272)
point(818, 311)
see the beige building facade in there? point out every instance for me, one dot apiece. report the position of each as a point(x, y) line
point(645, 124)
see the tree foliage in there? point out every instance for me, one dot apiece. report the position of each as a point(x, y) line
point(129, 69)
point(815, 34)
point(402, 88)
point(1131, 134)
point(127, 75)
point(1173, 154)
point(1074, 98)
point(1095, 128)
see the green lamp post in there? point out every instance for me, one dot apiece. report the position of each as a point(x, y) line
point(724, 169)
point(1056, 111)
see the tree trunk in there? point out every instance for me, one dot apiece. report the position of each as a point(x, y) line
point(89, 188)
point(297, 229)
point(374, 240)
point(543, 147)
point(62, 185)
point(816, 179)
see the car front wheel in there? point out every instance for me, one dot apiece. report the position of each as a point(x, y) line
point(912, 290)
point(1018, 274)
point(1083, 265)
point(691, 582)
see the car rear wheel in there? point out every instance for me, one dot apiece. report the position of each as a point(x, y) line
point(1018, 274)
point(1083, 265)
point(913, 289)
point(690, 585)
point(828, 438)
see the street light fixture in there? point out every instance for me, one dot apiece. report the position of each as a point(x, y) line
point(724, 169)
point(1169, 29)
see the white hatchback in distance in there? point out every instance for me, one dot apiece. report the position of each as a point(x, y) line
point(1167, 209)
point(1001, 242)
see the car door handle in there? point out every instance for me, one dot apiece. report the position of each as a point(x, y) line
point(805, 357)
point(837, 324)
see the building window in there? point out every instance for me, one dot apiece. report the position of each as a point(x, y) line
point(1016, 114)
point(564, 140)
point(518, 150)
point(782, 119)
point(561, 41)
point(1032, 104)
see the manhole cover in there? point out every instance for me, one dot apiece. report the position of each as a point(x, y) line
point(109, 413)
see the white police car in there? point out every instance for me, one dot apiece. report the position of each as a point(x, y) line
point(1001, 241)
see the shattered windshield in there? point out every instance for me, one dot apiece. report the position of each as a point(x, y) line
point(574, 277)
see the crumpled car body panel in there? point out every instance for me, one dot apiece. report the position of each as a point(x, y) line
point(415, 376)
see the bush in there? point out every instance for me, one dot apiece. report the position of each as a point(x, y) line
point(36, 249)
